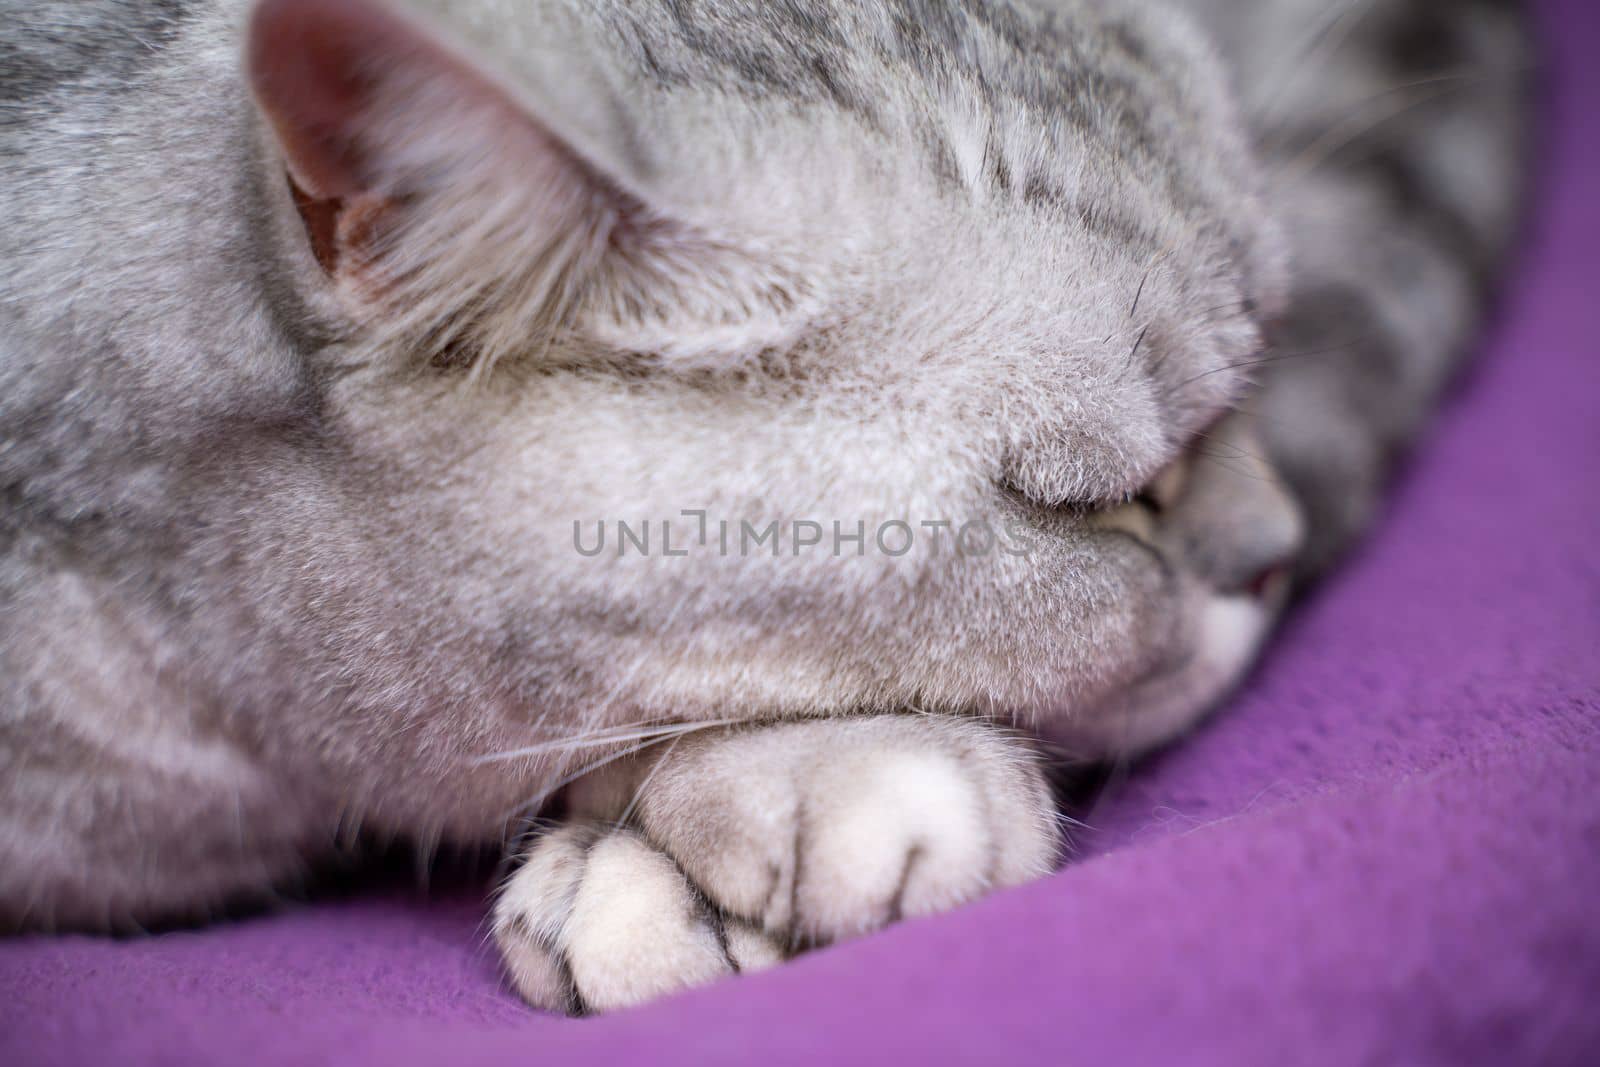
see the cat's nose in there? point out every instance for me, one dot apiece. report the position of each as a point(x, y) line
point(1233, 522)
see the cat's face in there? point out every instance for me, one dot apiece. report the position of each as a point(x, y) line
point(674, 386)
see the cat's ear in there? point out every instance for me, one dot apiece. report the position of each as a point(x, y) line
point(427, 185)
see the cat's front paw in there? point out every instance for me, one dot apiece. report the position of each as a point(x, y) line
point(732, 850)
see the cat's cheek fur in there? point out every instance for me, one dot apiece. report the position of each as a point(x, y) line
point(1225, 637)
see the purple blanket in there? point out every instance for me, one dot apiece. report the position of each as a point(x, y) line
point(1387, 850)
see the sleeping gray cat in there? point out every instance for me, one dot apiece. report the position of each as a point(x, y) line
point(753, 424)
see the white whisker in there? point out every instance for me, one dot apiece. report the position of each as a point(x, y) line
point(537, 801)
point(622, 735)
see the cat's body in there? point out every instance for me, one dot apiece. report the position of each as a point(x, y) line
point(288, 539)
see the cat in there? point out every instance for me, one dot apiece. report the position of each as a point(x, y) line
point(747, 435)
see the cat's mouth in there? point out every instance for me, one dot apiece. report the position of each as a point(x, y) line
point(1224, 529)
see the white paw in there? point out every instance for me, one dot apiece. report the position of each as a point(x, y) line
point(747, 844)
point(598, 919)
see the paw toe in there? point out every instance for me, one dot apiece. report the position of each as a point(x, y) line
point(638, 930)
point(600, 920)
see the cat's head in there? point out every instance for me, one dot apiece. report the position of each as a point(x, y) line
point(885, 351)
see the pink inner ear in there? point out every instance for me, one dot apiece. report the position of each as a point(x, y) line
point(376, 117)
point(315, 65)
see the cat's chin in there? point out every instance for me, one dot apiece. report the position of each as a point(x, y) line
point(1228, 634)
